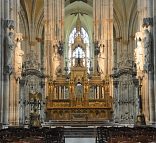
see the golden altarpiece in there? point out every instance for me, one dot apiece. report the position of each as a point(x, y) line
point(79, 95)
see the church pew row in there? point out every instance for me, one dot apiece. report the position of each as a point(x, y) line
point(126, 135)
point(32, 135)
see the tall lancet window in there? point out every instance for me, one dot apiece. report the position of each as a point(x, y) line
point(79, 51)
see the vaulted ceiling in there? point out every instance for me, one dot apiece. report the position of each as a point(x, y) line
point(33, 9)
point(124, 14)
point(85, 13)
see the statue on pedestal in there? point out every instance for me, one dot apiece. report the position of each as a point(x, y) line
point(56, 62)
point(138, 51)
point(143, 50)
point(101, 63)
point(147, 40)
point(18, 55)
point(9, 48)
point(79, 90)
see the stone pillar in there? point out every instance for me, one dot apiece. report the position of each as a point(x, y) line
point(145, 18)
point(140, 116)
point(148, 22)
point(54, 29)
point(154, 51)
point(21, 103)
point(96, 52)
point(11, 101)
point(43, 105)
point(136, 98)
point(17, 99)
point(115, 101)
point(151, 97)
point(6, 9)
point(8, 53)
point(6, 99)
point(1, 62)
point(103, 31)
point(17, 73)
point(6, 76)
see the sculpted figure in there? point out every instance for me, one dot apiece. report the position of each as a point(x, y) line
point(147, 40)
point(101, 62)
point(56, 62)
point(138, 51)
point(79, 90)
point(18, 54)
point(10, 47)
point(18, 58)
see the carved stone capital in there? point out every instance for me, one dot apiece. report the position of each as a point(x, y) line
point(147, 22)
point(8, 23)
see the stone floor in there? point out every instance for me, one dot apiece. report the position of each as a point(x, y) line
point(80, 140)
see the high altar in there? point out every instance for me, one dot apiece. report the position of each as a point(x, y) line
point(79, 94)
point(79, 98)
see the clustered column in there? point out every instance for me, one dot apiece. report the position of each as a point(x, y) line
point(103, 33)
point(145, 9)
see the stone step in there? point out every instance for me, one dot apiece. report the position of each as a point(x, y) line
point(75, 123)
point(81, 132)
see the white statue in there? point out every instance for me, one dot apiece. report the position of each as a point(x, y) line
point(10, 47)
point(56, 61)
point(101, 62)
point(138, 51)
point(18, 55)
point(18, 58)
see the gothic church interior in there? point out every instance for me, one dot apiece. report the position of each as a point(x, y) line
point(77, 60)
